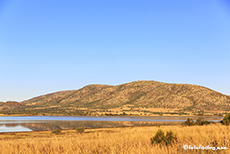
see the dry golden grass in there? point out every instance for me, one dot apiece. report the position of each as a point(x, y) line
point(133, 140)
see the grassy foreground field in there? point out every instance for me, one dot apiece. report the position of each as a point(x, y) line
point(129, 140)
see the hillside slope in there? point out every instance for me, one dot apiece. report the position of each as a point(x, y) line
point(137, 97)
point(149, 94)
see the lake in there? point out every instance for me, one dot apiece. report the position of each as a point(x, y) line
point(41, 123)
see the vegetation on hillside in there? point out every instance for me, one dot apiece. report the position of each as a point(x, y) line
point(138, 98)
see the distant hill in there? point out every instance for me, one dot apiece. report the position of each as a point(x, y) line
point(10, 104)
point(135, 96)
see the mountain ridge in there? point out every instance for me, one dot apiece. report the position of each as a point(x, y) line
point(120, 85)
point(179, 98)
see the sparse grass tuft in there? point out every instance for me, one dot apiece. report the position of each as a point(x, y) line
point(80, 130)
point(56, 131)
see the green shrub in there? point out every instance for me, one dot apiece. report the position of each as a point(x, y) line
point(80, 130)
point(170, 138)
point(189, 122)
point(226, 120)
point(56, 131)
point(202, 122)
point(198, 121)
point(161, 138)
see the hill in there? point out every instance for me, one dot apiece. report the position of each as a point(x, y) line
point(145, 97)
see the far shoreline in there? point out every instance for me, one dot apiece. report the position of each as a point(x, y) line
point(165, 115)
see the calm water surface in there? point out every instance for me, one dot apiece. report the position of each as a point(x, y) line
point(38, 123)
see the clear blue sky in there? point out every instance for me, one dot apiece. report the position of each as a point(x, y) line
point(53, 45)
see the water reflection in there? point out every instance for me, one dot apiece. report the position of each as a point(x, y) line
point(14, 128)
point(40, 123)
point(74, 124)
point(102, 118)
